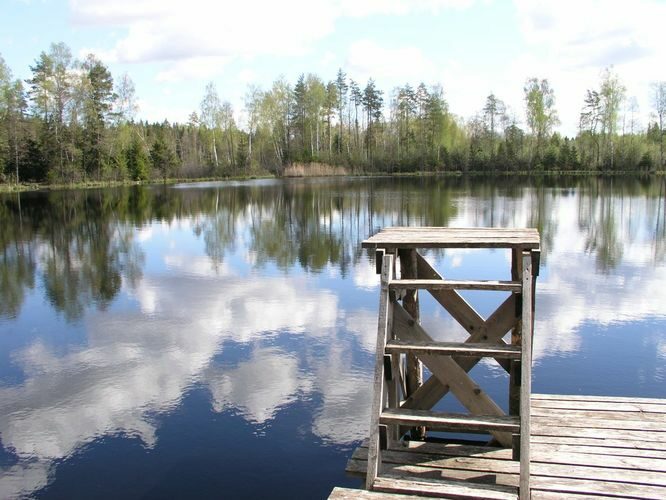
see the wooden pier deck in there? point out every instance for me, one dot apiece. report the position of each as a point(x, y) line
point(581, 447)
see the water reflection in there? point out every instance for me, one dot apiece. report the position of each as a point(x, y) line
point(260, 293)
point(86, 240)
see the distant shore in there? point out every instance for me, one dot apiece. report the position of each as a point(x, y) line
point(320, 170)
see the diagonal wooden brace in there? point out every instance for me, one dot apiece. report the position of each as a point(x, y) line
point(449, 373)
point(501, 321)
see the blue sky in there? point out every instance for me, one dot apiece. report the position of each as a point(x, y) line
point(172, 48)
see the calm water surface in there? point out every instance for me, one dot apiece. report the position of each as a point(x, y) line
point(216, 340)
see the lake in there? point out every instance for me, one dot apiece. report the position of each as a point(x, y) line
point(216, 340)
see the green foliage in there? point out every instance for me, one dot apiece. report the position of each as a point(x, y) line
point(540, 110)
point(69, 125)
point(646, 164)
point(98, 100)
point(163, 158)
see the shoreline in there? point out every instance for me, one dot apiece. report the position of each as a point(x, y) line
point(34, 187)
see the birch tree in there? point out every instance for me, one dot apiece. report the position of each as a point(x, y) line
point(210, 111)
point(659, 105)
point(540, 111)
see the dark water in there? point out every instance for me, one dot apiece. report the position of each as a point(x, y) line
point(217, 340)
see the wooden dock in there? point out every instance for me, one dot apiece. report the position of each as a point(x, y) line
point(403, 402)
point(581, 447)
point(544, 446)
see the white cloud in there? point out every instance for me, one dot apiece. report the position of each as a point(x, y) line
point(344, 416)
point(133, 367)
point(170, 31)
point(202, 266)
point(574, 293)
point(571, 42)
point(194, 68)
point(365, 275)
point(364, 8)
point(258, 387)
point(367, 58)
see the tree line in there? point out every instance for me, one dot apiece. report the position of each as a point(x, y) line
point(71, 121)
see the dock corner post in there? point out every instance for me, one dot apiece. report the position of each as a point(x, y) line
point(384, 327)
point(516, 340)
point(526, 374)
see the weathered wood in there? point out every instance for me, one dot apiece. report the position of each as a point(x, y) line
point(601, 406)
point(357, 467)
point(608, 477)
point(448, 362)
point(438, 473)
point(543, 486)
point(585, 461)
point(598, 399)
point(540, 428)
point(394, 393)
point(432, 390)
point(478, 463)
point(516, 340)
point(453, 349)
point(442, 449)
point(538, 410)
point(443, 488)
point(578, 446)
point(554, 495)
point(439, 237)
point(355, 494)
point(450, 421)
point(410, 302)
point(423, 284)
point(565, 420)
point(491, 331)
point(526, 377)
point(451, 300)
point(383, 327)
point(602, 442)
point(548, 454)
point(566, 486)
point(449, 373)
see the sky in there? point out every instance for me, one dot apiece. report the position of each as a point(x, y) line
point(172, 48)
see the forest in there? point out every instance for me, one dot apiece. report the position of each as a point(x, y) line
point(72, 122)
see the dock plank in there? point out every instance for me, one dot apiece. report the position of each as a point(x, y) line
point(601, 414)
point(609, 448)
point(602, 399)
point(575, 469)
point(353, 494)
point(446, 488)
point(445, 237)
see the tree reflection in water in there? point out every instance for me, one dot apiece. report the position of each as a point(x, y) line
point(245, 309)
point(81, 245)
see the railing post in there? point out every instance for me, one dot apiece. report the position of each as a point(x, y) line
point(384, 327)
point(526, 375)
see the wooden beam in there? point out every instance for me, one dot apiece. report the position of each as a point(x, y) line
point(450, 421)
point(516, 333)
point(458, 307)
point(434, 284)
point(498, 324)
point(449, 373)
point(438, 488)
point(526, 376)
point(384, 326)
point(410, 301)
point(621, 400)
point(453, 348)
